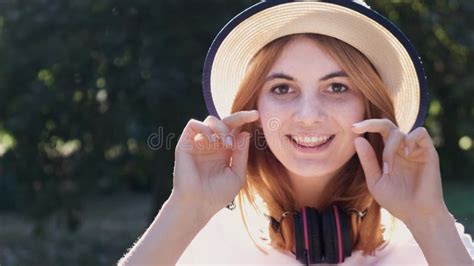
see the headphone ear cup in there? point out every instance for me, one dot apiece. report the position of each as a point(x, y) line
point(338, 237)
point(329, 236)
point(346, 233)
point(299, 237)
point(315, 239)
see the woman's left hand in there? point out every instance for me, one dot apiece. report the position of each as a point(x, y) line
point(409, 183)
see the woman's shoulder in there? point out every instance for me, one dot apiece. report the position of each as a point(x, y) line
point(466, 239)
point(225, 240)
point(401, 247)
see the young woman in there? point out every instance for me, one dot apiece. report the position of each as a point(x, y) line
point(320, 135)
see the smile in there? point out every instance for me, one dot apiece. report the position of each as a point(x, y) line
point(310, 141)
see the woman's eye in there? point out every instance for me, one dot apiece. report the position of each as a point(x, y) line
point(337, 88)
point(281, 89)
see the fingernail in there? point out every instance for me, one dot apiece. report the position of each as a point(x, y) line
point(228, 141)
point(406, 152)
point(385, 168)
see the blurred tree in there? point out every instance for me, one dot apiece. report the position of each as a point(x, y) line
point(443, 35)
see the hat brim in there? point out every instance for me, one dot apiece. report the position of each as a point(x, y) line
point(376, 37)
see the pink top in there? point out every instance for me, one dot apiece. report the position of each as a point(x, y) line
point(224, 240)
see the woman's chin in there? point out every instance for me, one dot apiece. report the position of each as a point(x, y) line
point(311, 172)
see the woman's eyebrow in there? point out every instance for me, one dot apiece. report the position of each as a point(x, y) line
point(279, 76)
point(333, 75)
point(288, 77)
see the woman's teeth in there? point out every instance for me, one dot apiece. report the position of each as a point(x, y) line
point(310, 141)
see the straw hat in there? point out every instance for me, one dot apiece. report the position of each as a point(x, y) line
point(350, 21)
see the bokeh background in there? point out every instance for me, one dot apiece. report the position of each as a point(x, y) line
point(87, 87)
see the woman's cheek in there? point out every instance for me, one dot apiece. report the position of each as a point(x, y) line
point(272, 124)
point(271, 117)
point(349, 107)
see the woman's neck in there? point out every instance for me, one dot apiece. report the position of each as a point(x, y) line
point(308, 191)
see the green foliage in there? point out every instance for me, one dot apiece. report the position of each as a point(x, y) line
point(107, 231)
point(83, 84)
point(441, 32)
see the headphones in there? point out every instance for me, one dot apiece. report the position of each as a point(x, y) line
point(321, 237)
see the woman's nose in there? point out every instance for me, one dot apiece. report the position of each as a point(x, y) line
point(310, 111)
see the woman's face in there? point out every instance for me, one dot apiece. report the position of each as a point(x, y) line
point(307, 107)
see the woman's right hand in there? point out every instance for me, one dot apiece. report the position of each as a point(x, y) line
point(211, 161)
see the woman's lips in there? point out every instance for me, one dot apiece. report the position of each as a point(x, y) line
point(310, 145)
point(310, 141)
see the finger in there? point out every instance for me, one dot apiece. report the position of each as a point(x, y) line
point(220, 129)
point(235, 132)
point(192, 132)
point(368, 160)
point(418, 137)
point(240, 155)
point(392, 145)
point(382, 126)
point(240, 118)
